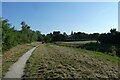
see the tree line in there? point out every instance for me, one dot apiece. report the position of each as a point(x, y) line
point(112, 37)
point(12, 37)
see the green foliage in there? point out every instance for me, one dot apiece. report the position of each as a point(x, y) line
point(110, 49)
point(111, 38)
point(39, 36)
point(79, 36)
point(27, 34)
point(7, 35)
point(48, 38)
point(99, 54)
point(12, 37)
point(113, 48)
point(56, 36)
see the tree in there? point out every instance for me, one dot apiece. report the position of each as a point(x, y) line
point(39, 35)
point(12, 37)
point(71, 32)
point(8, 35)
point(113, 31)
point(65, 36)
point(48, 38)
point(112, 38)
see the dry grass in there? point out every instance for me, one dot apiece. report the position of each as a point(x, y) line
point(11, 56)
point(51, 61)
point(77, 42)
point(74, 43)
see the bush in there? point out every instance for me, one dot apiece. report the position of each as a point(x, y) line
point(110, 49)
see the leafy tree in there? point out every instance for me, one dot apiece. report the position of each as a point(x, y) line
point(8, 35)
point(39, 35)
point(48, 38)
point(111, 38)
point(12, 37)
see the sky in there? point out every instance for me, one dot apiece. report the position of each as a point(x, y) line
point(89, 17)
point(60, 0)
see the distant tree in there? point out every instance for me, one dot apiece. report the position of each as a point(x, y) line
point(113, 31)
point(65, 36)
point(112, 38)
point(56, 36)
point(48, 38)
point(71, 32)
point(94, 36)
point(39, 35)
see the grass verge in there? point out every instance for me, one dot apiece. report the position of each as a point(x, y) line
point(11, 56)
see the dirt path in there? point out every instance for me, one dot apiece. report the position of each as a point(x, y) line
point(16, 70)
point(51, 61)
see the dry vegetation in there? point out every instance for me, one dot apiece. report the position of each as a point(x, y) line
point(51, 61)
point(11, 56)
point(74, 43)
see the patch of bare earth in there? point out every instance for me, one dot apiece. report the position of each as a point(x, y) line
point(51, 61)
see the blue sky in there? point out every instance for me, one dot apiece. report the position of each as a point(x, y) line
point(47, 17)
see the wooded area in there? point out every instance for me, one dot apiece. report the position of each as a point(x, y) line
point(12, 37)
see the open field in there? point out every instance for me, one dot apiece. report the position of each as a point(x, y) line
point(11, 56)
point(52, 61)
point(47, 40)
point(74, 43)
point(111, 49)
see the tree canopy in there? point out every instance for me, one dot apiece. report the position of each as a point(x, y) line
point(12, 37)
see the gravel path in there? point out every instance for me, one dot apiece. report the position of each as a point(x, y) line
point(16, 70)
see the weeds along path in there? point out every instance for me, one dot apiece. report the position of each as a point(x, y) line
point(51, 61)
point(11, 56)
point(16, 70)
